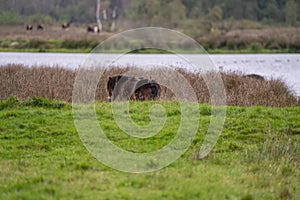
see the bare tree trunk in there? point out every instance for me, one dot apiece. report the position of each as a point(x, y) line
point(104, 15)
point(98, 15)
point(114, 17)
point(113, 26)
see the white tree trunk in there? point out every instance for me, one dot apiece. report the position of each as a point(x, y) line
point(113, 25)
point(114, 17)
point(98, 15)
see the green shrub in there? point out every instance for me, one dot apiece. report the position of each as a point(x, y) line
point(36, 44)
point(10, 18)
point(80, 44)
point(256, 48)
point(9, 103)
point(40, 18)
point(43, 102)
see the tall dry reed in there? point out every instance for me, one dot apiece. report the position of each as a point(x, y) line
point(270, 38)
point(57, 83)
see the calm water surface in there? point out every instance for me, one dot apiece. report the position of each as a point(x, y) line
point(284, 66)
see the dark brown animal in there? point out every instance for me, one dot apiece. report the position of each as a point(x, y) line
point(40, 27)
point(120, 87)
point(93, 29)
point(29, 27)
point(65, 25)
point(147, 90)
point(110, 86)
point(90, 29)
point(125, 88)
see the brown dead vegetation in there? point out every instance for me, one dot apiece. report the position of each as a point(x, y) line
point(272, 38)
point(57, 83)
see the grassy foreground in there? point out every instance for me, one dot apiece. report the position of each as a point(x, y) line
point(42, 157)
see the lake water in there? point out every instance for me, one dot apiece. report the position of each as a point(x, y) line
point(284, 66)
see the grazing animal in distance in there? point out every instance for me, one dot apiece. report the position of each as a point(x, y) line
point(132, 88)
point(65, 25)
point(96, 29)
point(40, 27)
point(90, 29)
point(93, 29)
point(29, 27)
point(255, 76)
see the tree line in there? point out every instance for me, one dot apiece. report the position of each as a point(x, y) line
point(52, 11)
point(168, 13)
point(268, 11)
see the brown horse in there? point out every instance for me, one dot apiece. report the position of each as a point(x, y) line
point(110, 86)
point(65, 25)
point(120, 87)
point(147, 90)
point(40, 27)
point(93, 29)
point(29, 27)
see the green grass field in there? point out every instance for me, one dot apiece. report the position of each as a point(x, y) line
point(257, 155)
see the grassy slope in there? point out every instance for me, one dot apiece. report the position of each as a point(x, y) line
point(42, 157)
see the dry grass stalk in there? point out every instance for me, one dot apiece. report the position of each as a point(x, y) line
point(57, 83)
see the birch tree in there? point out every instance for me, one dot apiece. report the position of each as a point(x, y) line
point(114, 18)
point(98, 15)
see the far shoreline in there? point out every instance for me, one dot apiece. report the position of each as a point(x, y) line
point(151, 51)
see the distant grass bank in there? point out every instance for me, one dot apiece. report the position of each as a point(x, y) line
point(57, 50)
point(76, 39)
point(88, 50)
point(86, 46)
point(257, 155)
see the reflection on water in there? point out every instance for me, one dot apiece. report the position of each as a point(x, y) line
point(284, 66)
